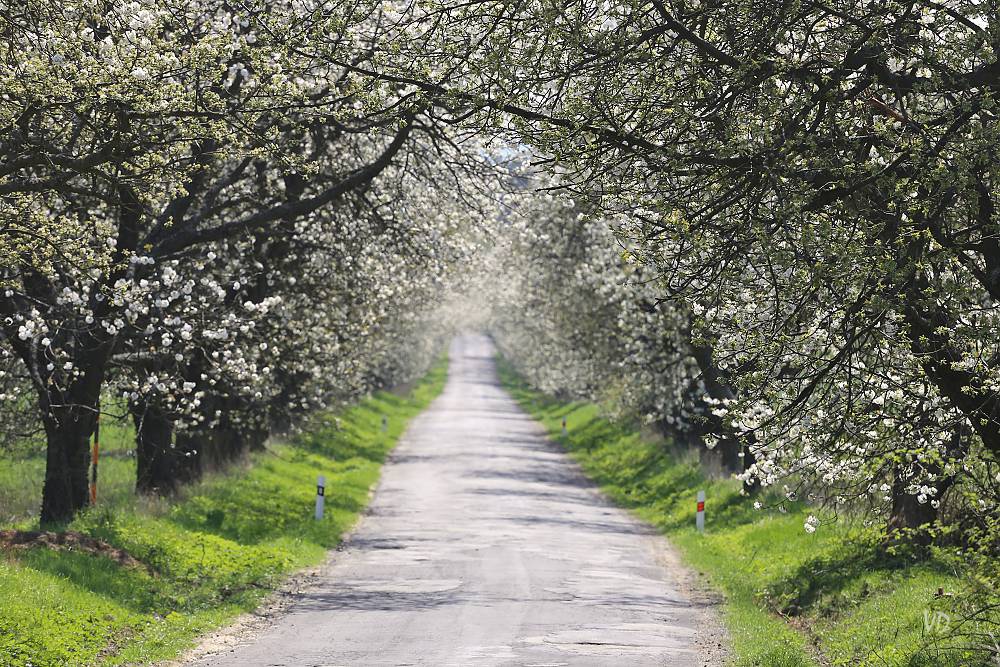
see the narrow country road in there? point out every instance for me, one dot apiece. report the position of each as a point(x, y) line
point(484, 545)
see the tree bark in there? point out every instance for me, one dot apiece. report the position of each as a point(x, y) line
point(907, 512)
point(65, 491)
point(69, 415)
point(228, 444)
point(155, 455)
point(221, 443)
point(190, 460)
point(255, 439)
point(908, 516)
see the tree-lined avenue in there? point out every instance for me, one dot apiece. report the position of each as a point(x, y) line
point(485, 545)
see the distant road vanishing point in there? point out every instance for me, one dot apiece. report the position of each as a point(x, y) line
point(484, 545)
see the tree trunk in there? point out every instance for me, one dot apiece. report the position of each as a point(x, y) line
point(228, 445)
point(69, 403)
point(750, 485)
point(199, 450)
point(69, 415)
point(255, 439)
point(155, 456)
point(907, 517)
point(731, 444)
point(221, 442)
point(67, 429)
point(190, 460)
point(907, 512)
point(730, 449)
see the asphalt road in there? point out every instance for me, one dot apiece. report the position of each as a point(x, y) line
point(484, 545)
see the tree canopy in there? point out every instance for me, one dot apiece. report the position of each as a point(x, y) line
point(769, 228)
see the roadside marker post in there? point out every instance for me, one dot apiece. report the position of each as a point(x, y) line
point(385, 423)
point(699, 517)
point(564, 431)
point(320, 494)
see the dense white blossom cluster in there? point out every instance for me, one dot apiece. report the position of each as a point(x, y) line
point(816, 191)
point(578, 317)
point(212, 228)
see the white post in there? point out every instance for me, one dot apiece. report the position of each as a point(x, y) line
point(564, 431)
point(320, 493)
point(385, 423)
point(699, 518)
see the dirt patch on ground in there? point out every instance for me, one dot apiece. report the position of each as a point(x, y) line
point(66, 541)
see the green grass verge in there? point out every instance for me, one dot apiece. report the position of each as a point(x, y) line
point(791, 598)
point(210, 554)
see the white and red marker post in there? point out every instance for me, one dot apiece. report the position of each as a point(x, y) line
point(699, 517)
point(320, 496)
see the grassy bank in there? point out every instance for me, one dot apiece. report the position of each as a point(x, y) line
point(203, 558)
point(792, 598)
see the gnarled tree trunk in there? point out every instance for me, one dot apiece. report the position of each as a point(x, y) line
point(67, 429)
point(69, 415)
